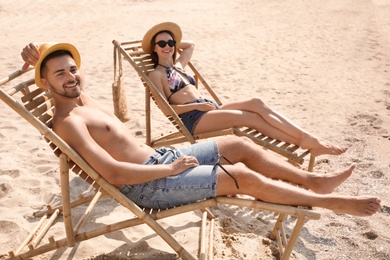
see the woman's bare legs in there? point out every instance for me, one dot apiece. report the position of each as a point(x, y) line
point(258, 115)
point(223, 118)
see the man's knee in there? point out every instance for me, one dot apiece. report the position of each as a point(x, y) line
point(242, 141)
point(249, 181)
point(238, 145)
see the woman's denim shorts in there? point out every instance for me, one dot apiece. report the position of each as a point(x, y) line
point(192, 185)
point(191, 118)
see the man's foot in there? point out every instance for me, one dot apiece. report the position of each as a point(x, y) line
point(326, 183)
point(356, 206)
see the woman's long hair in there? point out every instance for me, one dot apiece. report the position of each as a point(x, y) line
point(154, 54)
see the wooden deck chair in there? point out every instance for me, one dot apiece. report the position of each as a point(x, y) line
point(36, 106)
point(142, 63)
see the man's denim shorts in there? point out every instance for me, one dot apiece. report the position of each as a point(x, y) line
point(192, 185)
point(190, 119)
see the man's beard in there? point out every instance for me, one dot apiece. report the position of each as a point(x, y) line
point(68, 94)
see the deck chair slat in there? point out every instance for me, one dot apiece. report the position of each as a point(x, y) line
point(47, 118)
point(44, 108)
point(22, 86)
point(139, 55)
point(30, 96)
point(294, 148)
point(31, 104)
point(145, 66)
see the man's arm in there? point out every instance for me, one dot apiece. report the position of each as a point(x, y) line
point(30, 54)
point(76, 134)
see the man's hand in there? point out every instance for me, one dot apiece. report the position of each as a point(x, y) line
point(183, 163)
point(30, 55)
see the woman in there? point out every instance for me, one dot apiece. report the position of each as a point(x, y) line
point(201, 115)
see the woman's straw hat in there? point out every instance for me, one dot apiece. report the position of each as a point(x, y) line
point(167, 26)
point(51, 47)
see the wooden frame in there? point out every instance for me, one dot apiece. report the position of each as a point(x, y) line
point(142, 64)
point(36, 107)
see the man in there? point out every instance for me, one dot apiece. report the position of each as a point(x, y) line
point(165, 177)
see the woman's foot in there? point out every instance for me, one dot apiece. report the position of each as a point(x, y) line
point(319, 147)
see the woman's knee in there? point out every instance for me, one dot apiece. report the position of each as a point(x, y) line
point(257, 102)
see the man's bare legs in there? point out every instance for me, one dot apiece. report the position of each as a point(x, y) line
point(276, 121)
point(257, 178)
point(274, 191)
point(239, 149)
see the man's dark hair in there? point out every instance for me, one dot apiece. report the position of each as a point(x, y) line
point(52, 55)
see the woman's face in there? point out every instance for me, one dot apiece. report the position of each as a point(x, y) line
point(166, 40)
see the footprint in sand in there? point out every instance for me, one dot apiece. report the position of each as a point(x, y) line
point(370, 124)
point(5, 188)
point(377, 174)
point(12, 173)
point(385, 210)
point(8, 231)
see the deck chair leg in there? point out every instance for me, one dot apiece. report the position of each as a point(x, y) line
point(80, 201)
point(88, 211)
point(147, 118)
point(65, 191)
point(31, 235)
point(293, 238)
point(203, 236)
point(180, 250)
point(280, 219)
point(211, 239)
point(311, 163)
point(278, 233)
point(41, 233)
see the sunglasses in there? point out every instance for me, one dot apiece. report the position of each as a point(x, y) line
point(162, 44)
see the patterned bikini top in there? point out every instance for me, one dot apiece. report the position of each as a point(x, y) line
point(177, 79)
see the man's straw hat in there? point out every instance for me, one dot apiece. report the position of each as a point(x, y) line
point(167, 26)
point(51, 47)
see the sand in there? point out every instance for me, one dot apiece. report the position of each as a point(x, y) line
point(324, 64)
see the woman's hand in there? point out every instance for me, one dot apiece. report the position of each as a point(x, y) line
point(183, 163)
point(204, 106)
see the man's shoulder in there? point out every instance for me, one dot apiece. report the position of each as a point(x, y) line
point(67, 121)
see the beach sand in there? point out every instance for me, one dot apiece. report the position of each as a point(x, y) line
point(324, 64)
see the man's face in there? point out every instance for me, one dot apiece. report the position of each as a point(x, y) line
point(62, 76)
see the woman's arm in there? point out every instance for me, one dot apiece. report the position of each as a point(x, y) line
point(204, 106)
point(187, 49)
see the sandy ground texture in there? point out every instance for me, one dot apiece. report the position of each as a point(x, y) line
point(324, 64)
